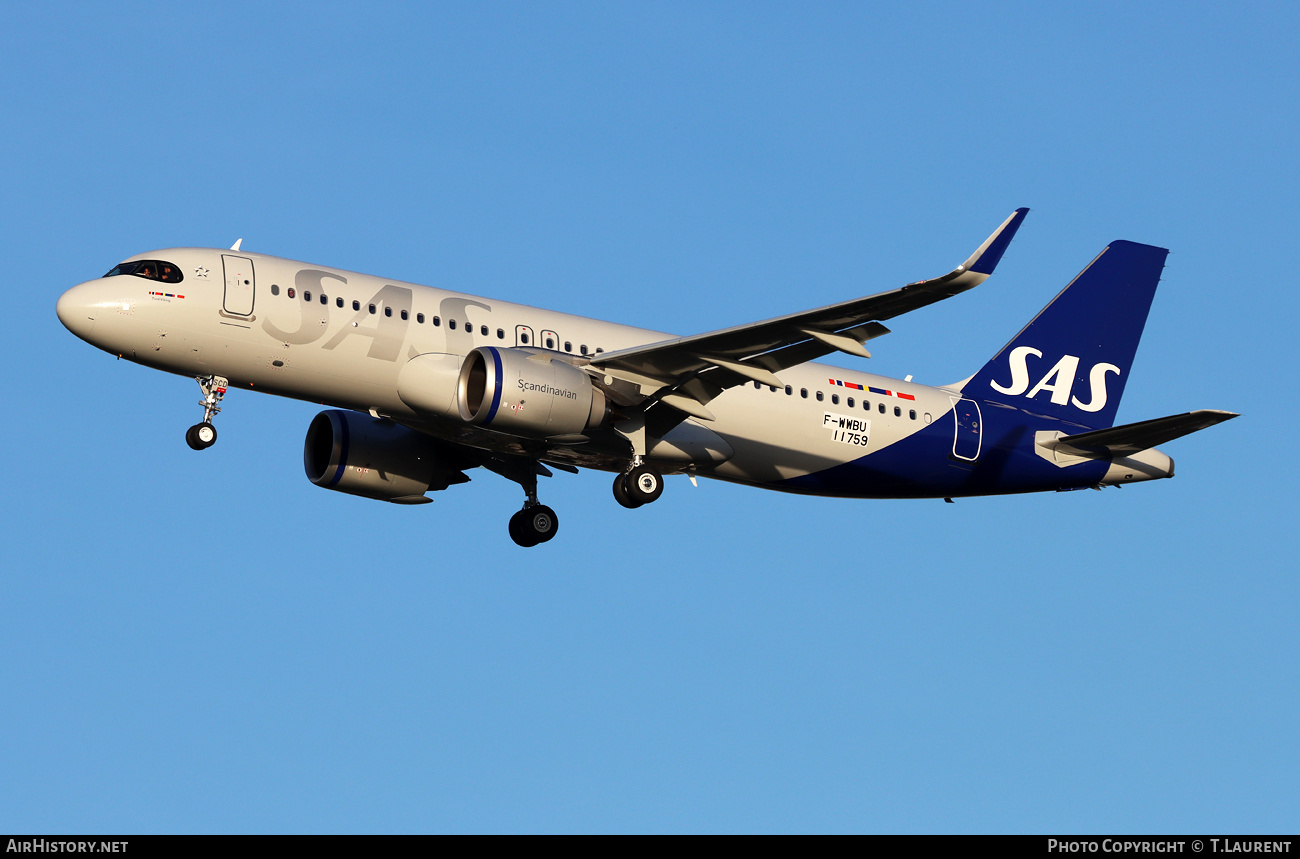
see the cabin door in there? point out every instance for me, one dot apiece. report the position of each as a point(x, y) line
point(967, 431)
point(239, 285)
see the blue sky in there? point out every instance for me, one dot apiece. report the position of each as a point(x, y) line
point(209, 643)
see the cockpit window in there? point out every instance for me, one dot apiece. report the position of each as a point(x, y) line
point(150, 269)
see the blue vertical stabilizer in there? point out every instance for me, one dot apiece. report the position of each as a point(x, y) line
point(1073, 360)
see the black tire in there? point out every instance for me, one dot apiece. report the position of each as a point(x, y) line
point(643, 484)
point(541, 523)
point(533, 525)
point(519, 531)
point(191, 440)
point(620, 493)
point(204, 436)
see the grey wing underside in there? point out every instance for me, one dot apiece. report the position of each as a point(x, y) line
point(685, 373)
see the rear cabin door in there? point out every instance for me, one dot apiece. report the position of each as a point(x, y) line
point(967, 432)
point(240, 285)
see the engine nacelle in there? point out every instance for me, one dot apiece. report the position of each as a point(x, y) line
point(527, 393)
point(360, 455)
point(427, 383)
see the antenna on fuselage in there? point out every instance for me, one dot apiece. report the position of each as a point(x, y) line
point(236, 245)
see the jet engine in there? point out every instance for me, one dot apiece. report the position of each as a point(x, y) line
point(360, 455)
point(527, 393)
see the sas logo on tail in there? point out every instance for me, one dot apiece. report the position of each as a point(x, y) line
point(1059, 380)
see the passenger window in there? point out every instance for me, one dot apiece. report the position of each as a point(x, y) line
point(501, 334)
point(911, 413)
point(550, 344)
point(803, 392)
point(437, 321)
point(898, 412)
point(758, 386)
point(568, 347)
point(356, 305)
point(788, 390)
point(773, 390)
point(419, 319)
point(306, 296)
point(324, 299)
point(483, 330)
point(599, 350)
point(275, 289)
point(290, 293)
point(523, 338)
point(338, 302)
point(849, 402)
point(820, 396)
point(882, 408)
point(388, 311)
point(372, 310)
point(835, 399)
point(584, 348)
point(451, 323)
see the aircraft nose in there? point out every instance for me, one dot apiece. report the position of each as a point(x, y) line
point(76, 311)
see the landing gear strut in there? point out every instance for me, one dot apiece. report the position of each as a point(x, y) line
point(203, 435)
point(640, 484)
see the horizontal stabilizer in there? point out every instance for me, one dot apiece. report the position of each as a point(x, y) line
point(1143, 435)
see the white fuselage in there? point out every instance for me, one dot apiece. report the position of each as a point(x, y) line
point(338, 337)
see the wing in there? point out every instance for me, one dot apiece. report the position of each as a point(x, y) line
point(687, 372)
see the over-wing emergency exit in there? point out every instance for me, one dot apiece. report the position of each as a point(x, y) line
point(429, 383)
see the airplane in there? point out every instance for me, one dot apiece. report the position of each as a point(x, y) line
point(428, 383)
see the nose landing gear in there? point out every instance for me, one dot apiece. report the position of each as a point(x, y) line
point(203, 435)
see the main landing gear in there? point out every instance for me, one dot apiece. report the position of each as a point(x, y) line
point(640, 484)
point(536, 523)
point(203, 435)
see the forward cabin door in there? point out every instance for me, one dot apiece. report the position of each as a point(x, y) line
point(967, 432)
point(240, 285)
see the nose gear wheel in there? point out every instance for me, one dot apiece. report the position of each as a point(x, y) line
point(203, 435)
